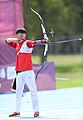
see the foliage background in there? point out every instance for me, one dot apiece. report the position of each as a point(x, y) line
point(66, 18)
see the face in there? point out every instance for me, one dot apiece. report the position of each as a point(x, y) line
point(21, 36)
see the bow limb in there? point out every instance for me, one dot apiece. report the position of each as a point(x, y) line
point(45, 38)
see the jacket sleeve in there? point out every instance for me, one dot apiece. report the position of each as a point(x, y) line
point(34, 43)
point(12, 44)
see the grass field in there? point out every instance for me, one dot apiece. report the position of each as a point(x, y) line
point(67, 66)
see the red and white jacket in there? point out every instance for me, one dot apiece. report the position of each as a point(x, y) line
point(24, 53)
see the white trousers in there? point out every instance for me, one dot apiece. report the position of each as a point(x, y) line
point(28, 78)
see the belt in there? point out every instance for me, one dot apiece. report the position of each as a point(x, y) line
point(19, 71)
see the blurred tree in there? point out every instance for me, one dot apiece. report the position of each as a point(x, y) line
point(64, 16)
point(77, 9)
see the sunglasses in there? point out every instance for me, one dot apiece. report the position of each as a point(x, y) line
point(20, 31)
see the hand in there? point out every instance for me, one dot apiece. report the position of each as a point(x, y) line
point(46, 41)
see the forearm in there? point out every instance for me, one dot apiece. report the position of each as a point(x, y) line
point(9, 40)
point(34, 43)
point(39, 42)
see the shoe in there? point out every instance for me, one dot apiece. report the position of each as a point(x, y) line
point(14, 114)
point(13, 90)
point(36, 114)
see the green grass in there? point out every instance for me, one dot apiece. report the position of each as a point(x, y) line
point(67, 66)
point(75, 79)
